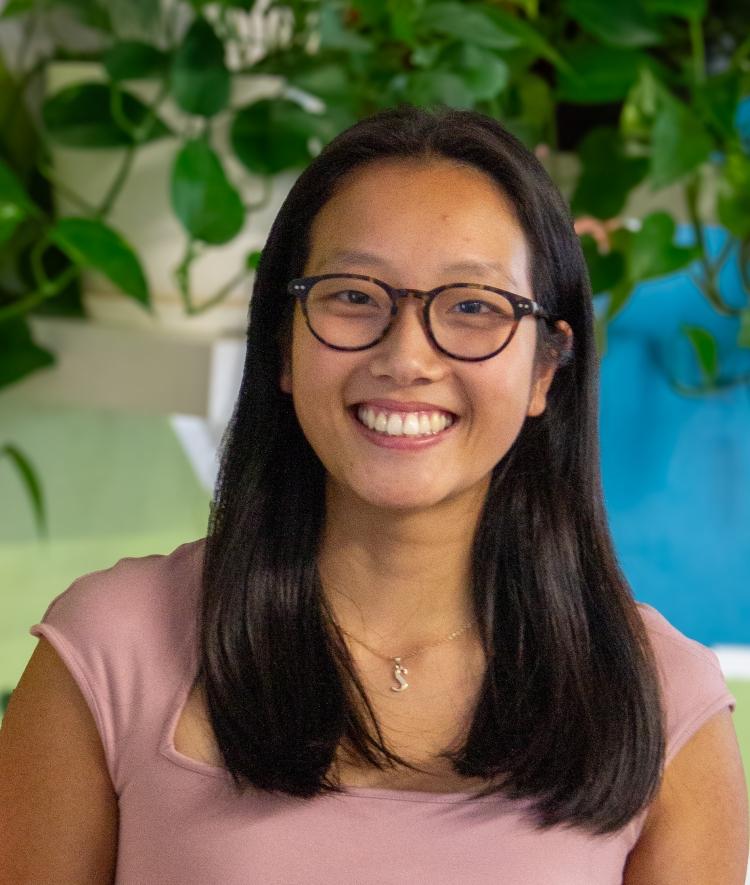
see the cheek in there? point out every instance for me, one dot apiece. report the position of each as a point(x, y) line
point(317, 387)
point(500, 406)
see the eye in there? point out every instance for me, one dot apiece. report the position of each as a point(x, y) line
point(352, 296)
point(474, 307)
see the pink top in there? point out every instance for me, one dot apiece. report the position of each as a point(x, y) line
point(126, 635)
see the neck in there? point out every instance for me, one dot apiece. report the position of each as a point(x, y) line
point(396, 579)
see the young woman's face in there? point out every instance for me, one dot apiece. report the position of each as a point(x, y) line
point(417, 226)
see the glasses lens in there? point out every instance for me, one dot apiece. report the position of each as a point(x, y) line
point(471, 322)
point(348, 313)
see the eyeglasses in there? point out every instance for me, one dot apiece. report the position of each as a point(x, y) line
point(465, 321)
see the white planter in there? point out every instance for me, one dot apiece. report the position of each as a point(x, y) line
point(142, 213)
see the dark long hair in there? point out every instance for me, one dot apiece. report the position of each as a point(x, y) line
point(570, 711)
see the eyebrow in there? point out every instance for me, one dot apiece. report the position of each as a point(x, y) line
point(354, 258)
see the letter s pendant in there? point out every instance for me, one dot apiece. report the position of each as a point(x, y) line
point(398, 674)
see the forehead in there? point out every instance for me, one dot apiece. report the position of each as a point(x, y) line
point(418, 213)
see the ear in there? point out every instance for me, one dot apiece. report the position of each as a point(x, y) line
point(543, 381)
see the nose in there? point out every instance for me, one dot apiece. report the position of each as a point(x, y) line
point(407, 354)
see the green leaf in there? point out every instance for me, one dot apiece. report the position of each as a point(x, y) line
point(426, 56)
point(483, 72)
point(204, 200)
point(468, 23)
point(733, 199)
point(599, 74)
point(80, 115)
point(536, 105)
point(133, 60)
point(528, 37)
point(333, 33)
point(133, 19)
point(5, 700)
point(30, 481)
point(324, 80)
point(618, 297)
point(605, 269)
point(402, 19)
point(623, 23)
point(706, 351)
point(716, 101)
point(743, 336)
point(608, 174)
point(333, 84)
point(425, 88)
point(94, 244)
point(271, 135)
point(652, 250)
point(19, 355)
point(690, 9)
point(679, 143)
point(19, 138)
point(641, 106)
point(200, 80)
point(17, 7)
point(92, 13)
point(15, 204)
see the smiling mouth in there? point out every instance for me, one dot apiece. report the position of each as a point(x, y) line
point(407, 424)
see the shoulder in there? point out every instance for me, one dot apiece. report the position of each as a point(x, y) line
point(691, 679)
point(695, 830)
point(132, 592)
point(127, 635)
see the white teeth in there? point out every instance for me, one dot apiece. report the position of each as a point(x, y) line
point(395, 425)
point(404, 424)
point(411, 425)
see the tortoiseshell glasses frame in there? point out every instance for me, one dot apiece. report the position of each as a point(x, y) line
point(300, 289)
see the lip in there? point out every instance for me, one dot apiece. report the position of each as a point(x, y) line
point(405, 443)
point(393, 405)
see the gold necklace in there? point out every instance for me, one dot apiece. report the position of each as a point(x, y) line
point(399, 671)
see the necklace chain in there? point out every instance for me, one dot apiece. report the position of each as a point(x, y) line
point(398, 669)
point(453, 635)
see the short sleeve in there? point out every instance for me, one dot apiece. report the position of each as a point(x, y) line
point(693, 684)
point(75, 624)
point(120, 632)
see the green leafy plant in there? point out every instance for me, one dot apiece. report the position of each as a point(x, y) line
point(643, 95)
point(28, 477)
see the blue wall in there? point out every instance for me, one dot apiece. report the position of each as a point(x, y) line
point(676, 468)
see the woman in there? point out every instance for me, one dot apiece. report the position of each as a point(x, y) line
point(405, 651)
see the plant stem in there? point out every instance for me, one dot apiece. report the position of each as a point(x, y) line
point(182, 275)
point(743, 260)
point(17, 94)
point(221, 293)
point(37, 266)
point(44, 292)
point(708, 285)
point(138, 134)
point(725, 252)
point(117, 183)
point(49, 173)
point(716, 387)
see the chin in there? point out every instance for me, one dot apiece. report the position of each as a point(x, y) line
point(401, 500)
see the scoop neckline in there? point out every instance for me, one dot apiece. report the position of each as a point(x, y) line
point(172, 754)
